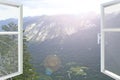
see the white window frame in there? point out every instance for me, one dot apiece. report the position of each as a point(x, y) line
point(20, 38)
point(103, 30)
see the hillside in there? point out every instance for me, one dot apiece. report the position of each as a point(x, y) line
point(73, 38)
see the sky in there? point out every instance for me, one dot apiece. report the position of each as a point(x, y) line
point(51, 7)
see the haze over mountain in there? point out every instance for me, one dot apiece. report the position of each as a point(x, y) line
point(80, 31)
point(49, 27)
point(72, 37)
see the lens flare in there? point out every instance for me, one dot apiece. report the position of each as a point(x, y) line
point(52, 63)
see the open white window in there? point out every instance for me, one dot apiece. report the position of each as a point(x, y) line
point(110, 39)
point(11, 41)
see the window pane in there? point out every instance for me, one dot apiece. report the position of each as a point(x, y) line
point(112, 52)
point(9, 17)
point(112, 16)
point(8, 54)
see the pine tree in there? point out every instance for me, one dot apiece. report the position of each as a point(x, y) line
point(28, 70)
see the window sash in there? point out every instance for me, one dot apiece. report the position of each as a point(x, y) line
point(103, 31)
point(20, 39)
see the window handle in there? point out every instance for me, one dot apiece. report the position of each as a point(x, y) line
point(98, 38)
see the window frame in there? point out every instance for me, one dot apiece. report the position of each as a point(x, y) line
point(20, 38)
point(103, 30)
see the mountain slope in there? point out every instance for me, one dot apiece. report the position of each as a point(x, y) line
point(49, 27)
point(72, 38)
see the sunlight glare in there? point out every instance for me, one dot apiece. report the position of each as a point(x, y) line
point(77, 6)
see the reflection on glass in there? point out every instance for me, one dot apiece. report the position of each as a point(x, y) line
point(8, 54)
point(9, 15)
point(112, 52)
point(112, 16)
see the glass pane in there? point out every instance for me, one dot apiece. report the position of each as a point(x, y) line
point(8, 18)
point(112, 52)
point(8, 54)
point(112, 16)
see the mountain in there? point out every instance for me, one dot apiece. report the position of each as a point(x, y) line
point(49, 27)
point(7, 21)
point(62, 34)
point(71, 37)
